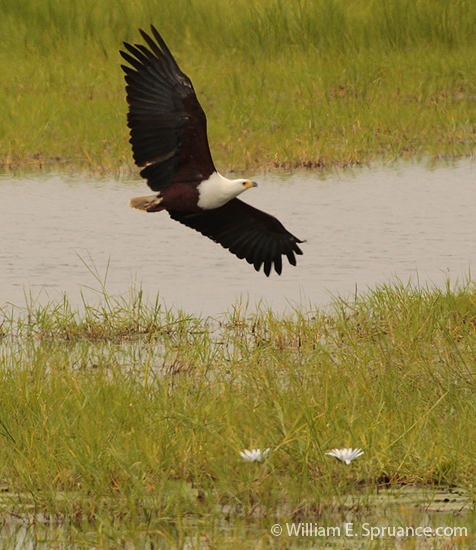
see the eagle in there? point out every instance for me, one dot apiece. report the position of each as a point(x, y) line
point(168, 134)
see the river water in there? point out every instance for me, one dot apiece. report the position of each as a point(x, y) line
point(362, 227)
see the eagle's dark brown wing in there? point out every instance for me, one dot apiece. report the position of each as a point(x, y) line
point(167, 124)
point(246, 232)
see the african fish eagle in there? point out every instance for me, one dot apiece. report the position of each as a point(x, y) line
point(168, 134)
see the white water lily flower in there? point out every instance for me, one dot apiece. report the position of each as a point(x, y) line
point(345, 455)
point(254, 455)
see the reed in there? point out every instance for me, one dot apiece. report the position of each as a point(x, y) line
point(300, 83)
point(127, 411)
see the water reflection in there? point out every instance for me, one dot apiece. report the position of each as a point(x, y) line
point(362, 227)
point(402, 519)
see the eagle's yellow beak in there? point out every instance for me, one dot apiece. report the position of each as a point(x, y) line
point(249, 184)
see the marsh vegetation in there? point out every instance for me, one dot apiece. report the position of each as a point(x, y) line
point(125, 410)
point(300, 83)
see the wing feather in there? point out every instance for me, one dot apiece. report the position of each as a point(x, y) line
point(168, 127)
point(247, 232)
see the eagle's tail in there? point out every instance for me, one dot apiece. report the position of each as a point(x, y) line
point(150, 203)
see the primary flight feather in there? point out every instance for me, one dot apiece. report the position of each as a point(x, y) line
point(168, 130)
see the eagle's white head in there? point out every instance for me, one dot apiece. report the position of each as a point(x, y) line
point(218, 190)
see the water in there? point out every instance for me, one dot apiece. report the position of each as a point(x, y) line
point(398, 519)
point(363, 227)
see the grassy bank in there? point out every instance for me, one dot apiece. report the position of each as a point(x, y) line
point(299, 83)
point(131, 412)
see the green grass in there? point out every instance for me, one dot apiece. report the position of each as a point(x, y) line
point(124, 411)
point(299, 83)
